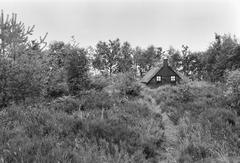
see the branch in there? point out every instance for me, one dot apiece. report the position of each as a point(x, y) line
point(42, 41)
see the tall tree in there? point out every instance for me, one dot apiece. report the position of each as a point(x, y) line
point(107, 56)
point(77, 71)
point(219, 57)
point(22, 66)
point(125, 60)
point(146, 59)
point(174, 58)
point(185, 60)
point(56, 80)
point(58, 51)
point(14, 37)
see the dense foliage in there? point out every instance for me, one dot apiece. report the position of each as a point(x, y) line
point(64, 103)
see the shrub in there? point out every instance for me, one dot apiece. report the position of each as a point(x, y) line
point(194, 141)
point(66, 104)
point(233, 92)
point(39, 134)
point(57, 90)
point(21, 79)
point(114, 132)
point(126, 85)
point(99, 82)
point(92, 99)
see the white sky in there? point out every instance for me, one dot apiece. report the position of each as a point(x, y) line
point(140, 22)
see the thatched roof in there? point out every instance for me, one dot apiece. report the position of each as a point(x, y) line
point(150, 74)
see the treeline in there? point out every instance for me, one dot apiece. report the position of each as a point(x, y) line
point(221, 56)
point(30, 68)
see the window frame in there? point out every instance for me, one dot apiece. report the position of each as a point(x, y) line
point(173, 78)
point(158, 78)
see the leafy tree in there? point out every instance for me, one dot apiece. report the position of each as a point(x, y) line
point(219, 57)
point(58, 51)
point(56, 80)
point(152, 56)
point(234, 58)
point(106, 56)
point(185, 63)
point(59, 55)
point(77, 71)
point(146, 59)
point(174, 58)
point(233, 83)
point(189, 63)
point(125, 60)
point(196, 65)
point(138, 60)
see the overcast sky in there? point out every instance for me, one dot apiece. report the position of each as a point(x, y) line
point(140, 22)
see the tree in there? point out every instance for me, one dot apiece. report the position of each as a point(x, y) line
point(174, 58)
point(22, 66)
point(234, 58)
point(77, 71)
point(21, 80)
point(146, 59)
point(14, 37)
point(5, 67)
point(185, 60)
point(196, 65)
point(233, 84)
point(56, 78)
point(107, 56)
point(152, 56)
point(58, 52)
point(189, 63)
point(125, 59)
point(138, 60)
point(221, 55)
point(233, 81)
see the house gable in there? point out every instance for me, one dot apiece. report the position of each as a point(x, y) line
point(163, 74)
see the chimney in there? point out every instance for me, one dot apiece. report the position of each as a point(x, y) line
point(165, 62)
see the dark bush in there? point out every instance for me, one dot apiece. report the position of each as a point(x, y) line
point(57, 90)
point(126, 84)
point(66, 104)
point(93, 99)
point(99, 82)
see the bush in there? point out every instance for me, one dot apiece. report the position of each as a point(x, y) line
point(90, 100)
point(126, 85)
point(114, 132)
point(233, 90)
point(57, 90)
point(66, 104)
point(194, 97)
point(99, 82)
point(21, 79)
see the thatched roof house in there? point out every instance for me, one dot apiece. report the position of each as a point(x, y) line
point(161, 75)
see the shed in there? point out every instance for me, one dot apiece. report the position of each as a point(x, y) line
point(161, 75)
